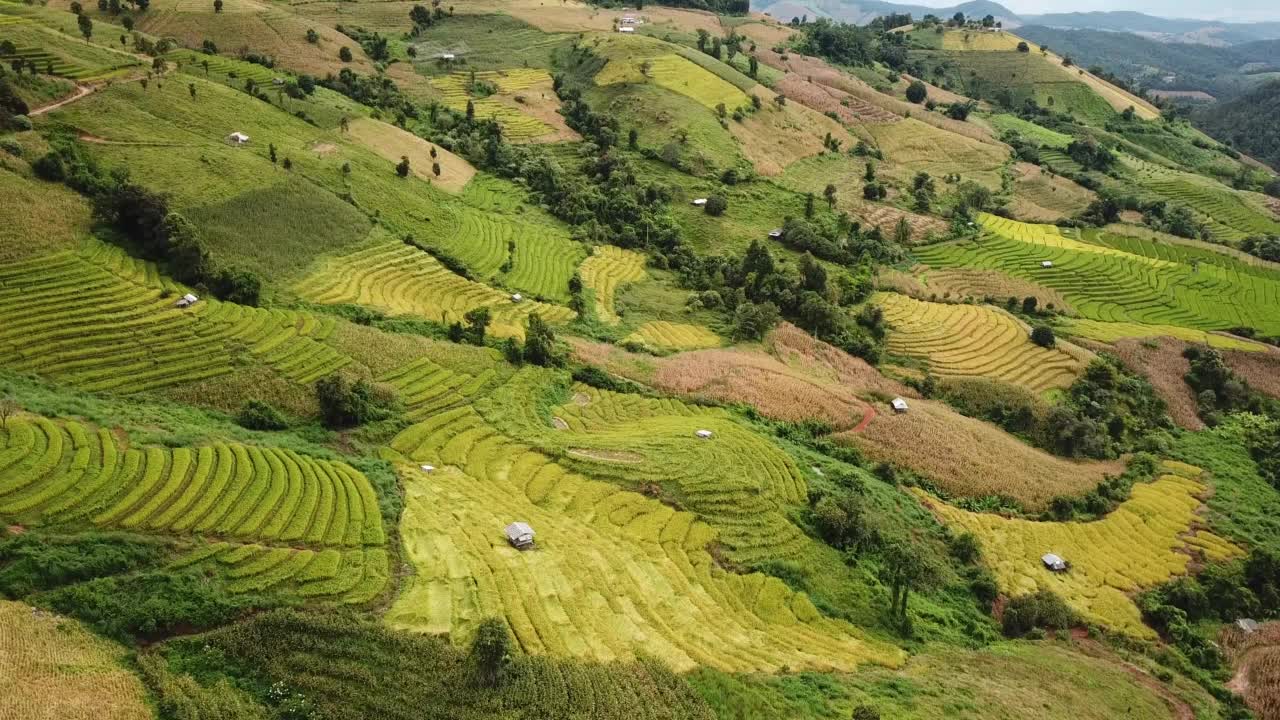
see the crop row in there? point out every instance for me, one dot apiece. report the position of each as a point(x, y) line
point(404, 280)
point(605, 272)
point(427, 388)
point(974, 341)
point(1230, 218)
point(55, 473)
point(515, 124)
point(663, 335)
point(1148, 540)
point(345, 576)
point(103, 321)
point(1114, 285)
point(676, 74)
point(613, 573)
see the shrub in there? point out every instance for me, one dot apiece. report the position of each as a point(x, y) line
point(917, 92)
point(490, 652)
point(1042, 609)
point(31, 562)
point(344, 54)
point(345, 405)
point(1042, 335)
point(716, 205)
point(258, 415)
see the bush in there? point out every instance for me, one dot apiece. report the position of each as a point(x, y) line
point(716, 205)
point(917, 92)
point(31, 562)
point(1042, 335)
point(258, 415)
point(344, 405)
point(1042, 609)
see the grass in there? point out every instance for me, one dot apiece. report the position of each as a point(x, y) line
point(974, 341)
point(981, 460)
point(662, 335)
point(56, 668)
point(607, 269)
point(1243, 507)
point(1043, 196)
point(488, 42)
point(1042, 78)
point(973, 40)
point(66, 474)
point(57, 54)
point(39, 218)
point(674, 73)
point(916, 147)
point(100, 320)
point(1113, 331)
point(1121, 278)
point(403, 280)
point(1030, 131)
point(1146, 541)
point(1005, 680)
point(572, 596)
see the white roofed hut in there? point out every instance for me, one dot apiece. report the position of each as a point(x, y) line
point(516, 297)
point(705, 434)
point(899, 405)
point(626, 29)
point(520, 535)
point(699, 202)
point(187, 301)
point(238, 138)
point(775, 233)
point(1046, 264)
point(1053, 562)
point(1248, 626)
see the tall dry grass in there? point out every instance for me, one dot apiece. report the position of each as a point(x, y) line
point(1160, 361)
point(1256, 658)
point(1261, 369)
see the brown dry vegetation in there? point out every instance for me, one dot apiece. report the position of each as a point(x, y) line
point(767, 32)
point(964, 283)
point(1256, 659)
point(774, 137)
point(1043, 197)
point(936, 94)
point(1160, 361)
point(971, 458)
point(541, 103)
point(390, 142)
point(1260, 369)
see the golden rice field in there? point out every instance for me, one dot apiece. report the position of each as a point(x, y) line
point(605, 272)
point(663, 335)
point(1147, 540)
point(958, 340)
point(403, 280)
point(613, 572)
point(54, 473)
point(54, 669)
point(516, 126)
point(676, 74)
point(970, 40)
point(1113, 331)
point(426, 387)
point(101, 320)
point(913, 146)
point(963, 283)
point(979, 460)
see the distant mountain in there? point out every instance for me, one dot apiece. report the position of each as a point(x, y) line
point(1220, 71)
point(1203, 32)
point(861, 12)
point(1248, 123)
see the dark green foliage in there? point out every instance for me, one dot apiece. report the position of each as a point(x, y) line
point(150, 604)
point(33, 562)
point(1107, 411)
point(917, 92)
point(478, 320)
point(344, 404)
point(716, 205)
point(1218, 390)
point(1265, 247)
point(490, 652)
point(1042, 335)
point(11, 105)
point(344, 54)
point(1090, 155)
point(1042, 609)
point(258, 415)
point(540, 343)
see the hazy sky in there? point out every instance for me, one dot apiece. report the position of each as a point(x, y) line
point(1230, 10)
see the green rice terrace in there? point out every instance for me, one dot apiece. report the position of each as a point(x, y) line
point(518, 359)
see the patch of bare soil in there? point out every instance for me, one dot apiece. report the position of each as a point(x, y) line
point(559, 423)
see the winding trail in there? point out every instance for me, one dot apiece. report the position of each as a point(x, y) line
point(867, 416)
point(82, 91)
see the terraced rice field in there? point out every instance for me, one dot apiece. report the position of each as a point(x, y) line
point(1115, 278)
point(426, 388)
point(607, 270)
point(101, 320)
point(57, 54)
point(969, 40)
point(919, 147)
point(516, 126)
point(55, 473)
point(1230, 218)
point(663, 335)
point(543, 260)
point(193, 62)
point(403, 280)
point(676, 74)
point(974, 341)
point(1044, 136)
point(55, 668)
point(613, 572)
point(1111, 332)
point(1144, 542)
point(352, 576)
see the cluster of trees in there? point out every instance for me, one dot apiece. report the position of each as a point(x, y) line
point(1266, 247)
point(374, 44)
point(1219, 391)
point(422, 18)
point(345, 404)
point(1090, 155)
point(12, 107)
point(143, 216)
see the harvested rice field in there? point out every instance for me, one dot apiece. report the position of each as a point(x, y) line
point(392, 143)
point(663, 335)
point(1149, 539)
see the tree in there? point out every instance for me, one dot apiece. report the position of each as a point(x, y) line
point(540, 342)
point(191, 88)
point(869, 172)
point(258, 415)
point(905, 566)
point(313, 37)
point(917, 92)
point(420, 16)
point(8, 408)
point(86, 26)
point(958, 18)
point(829, 192)
point(753, 66)
point(344, 54)
point(808, 205)
point(76, 8)
point(989, 21)
point(344, 405)
point(217, 6)
point(490, 652)
point(271, 152)
point(188, 257)
point(402, 167)
point(1042, 335)
point(477, 320)
point(716, 205)
point(471, 111)
point(1029, 304)
point(703, 36)
point(1023, 46)
point(435, 169)
point(127, 21)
